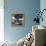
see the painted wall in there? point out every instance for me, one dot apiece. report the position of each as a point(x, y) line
point(43, 6)
point(29, 7)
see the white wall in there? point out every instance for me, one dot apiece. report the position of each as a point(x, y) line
point(1, 21)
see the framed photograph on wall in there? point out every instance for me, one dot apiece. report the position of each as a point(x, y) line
point(17, 19)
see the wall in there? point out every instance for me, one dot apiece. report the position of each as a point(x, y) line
point(1, 21)
point(29, 7)
point(43, 6)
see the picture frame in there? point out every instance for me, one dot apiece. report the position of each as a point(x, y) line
point(17, 19)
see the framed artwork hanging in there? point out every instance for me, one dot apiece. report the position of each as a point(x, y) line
point(17, 19)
